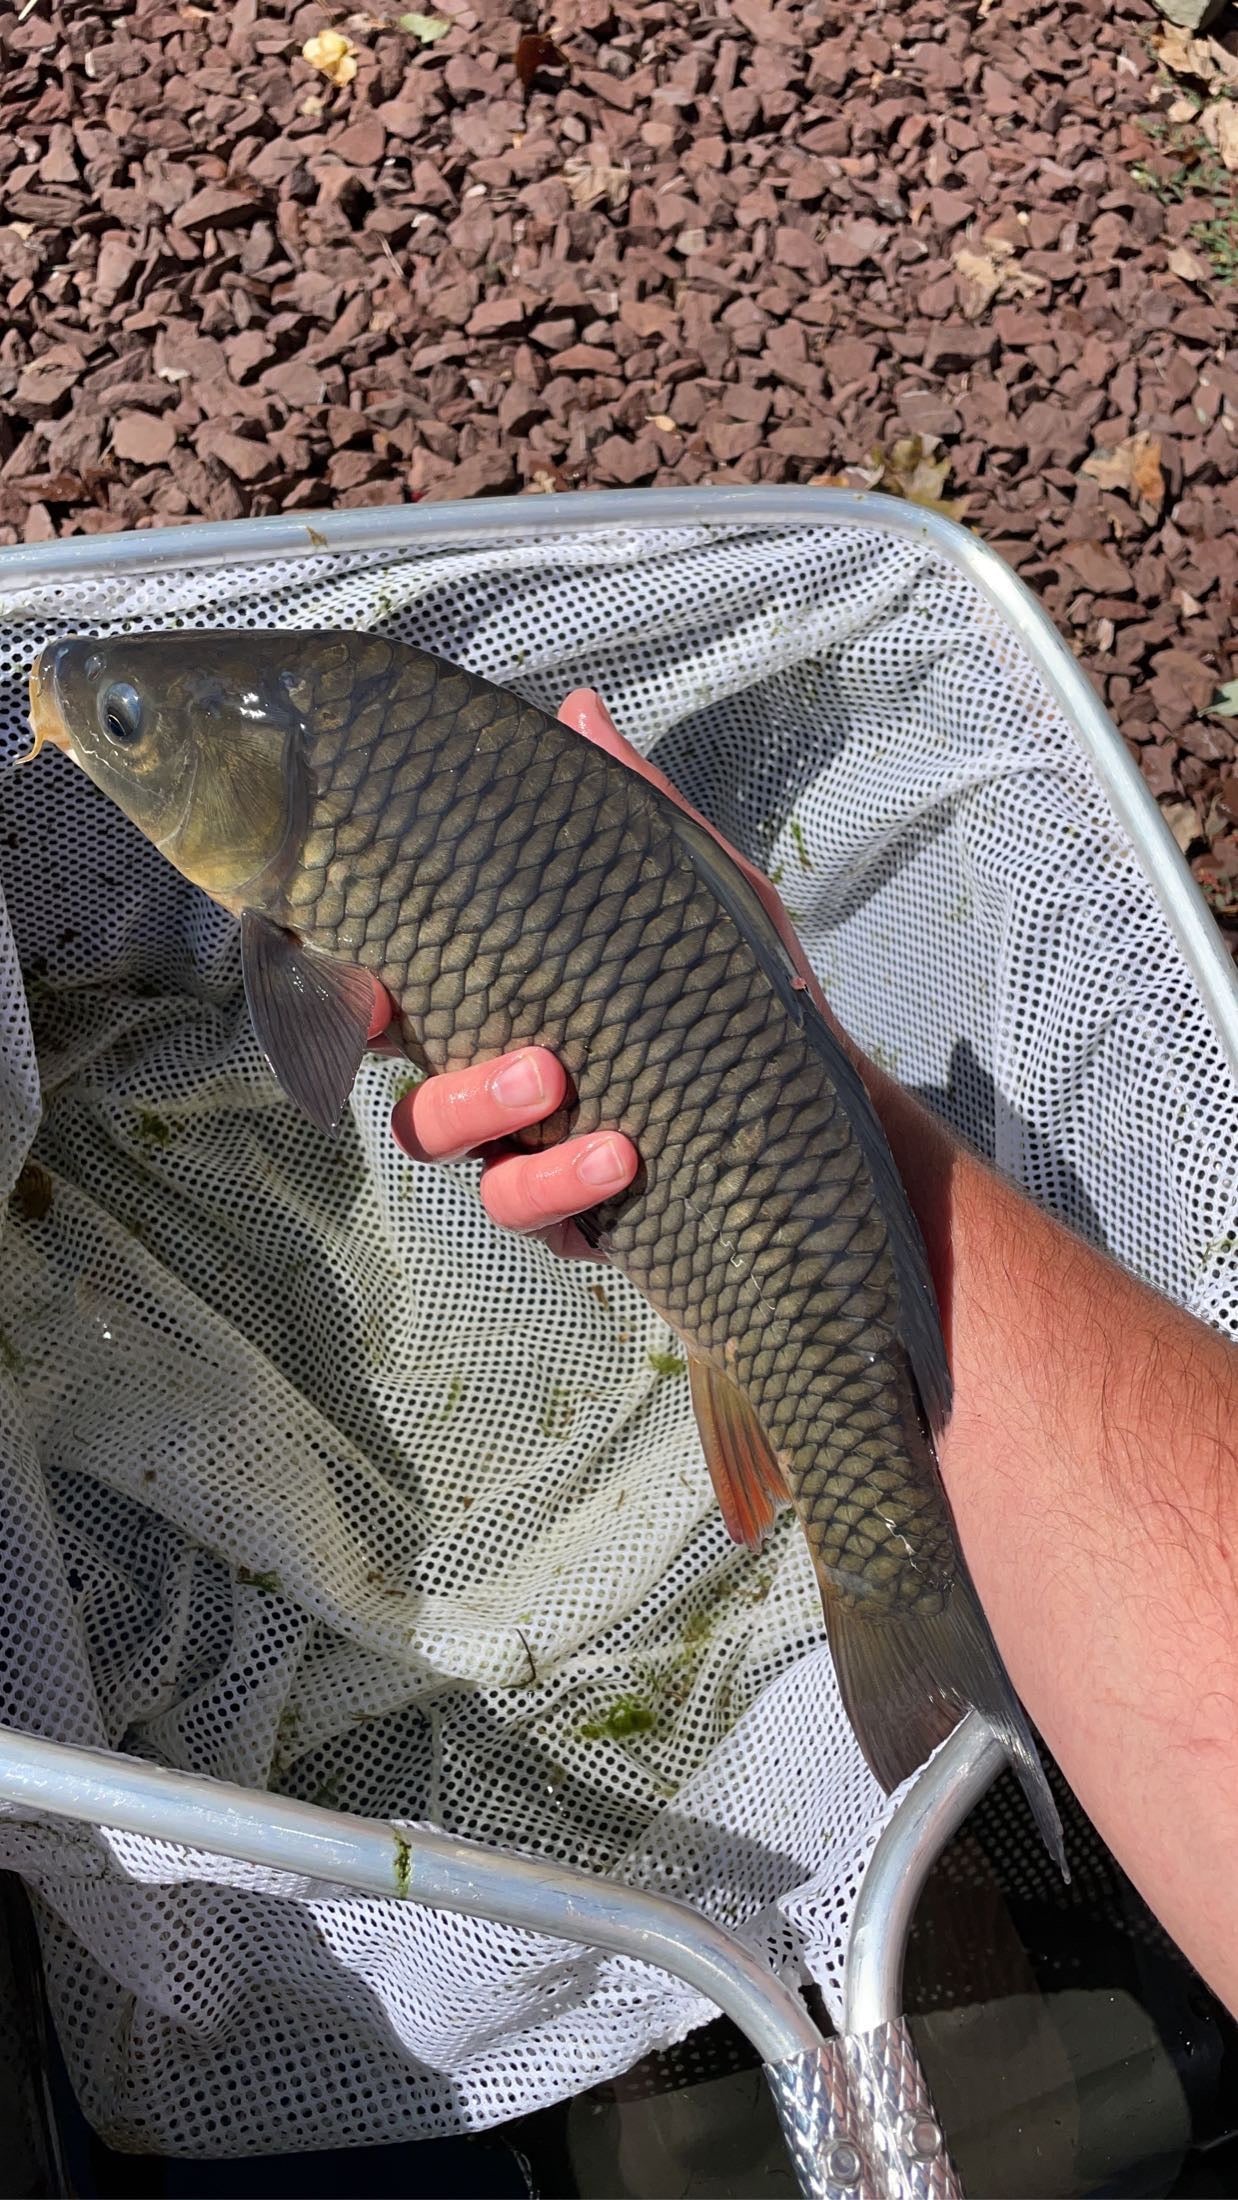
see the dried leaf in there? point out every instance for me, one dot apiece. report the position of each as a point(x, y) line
point(1224, 703)
point(592, 180)
point(1175, 49)
point(1108, 469)
point(909, 469)
point(919, 477)
point(851, 477)
point(979, 278)
point(662, 421)
point(1206, 59)
point(427, 28)
point(989, 273)
point(1146, 475)
point(333, 54)
point(1134, 465)
point(535, 51)
point(1188, 266)
point(1189, 605)
point(1020, 282)
point(1219, 124)
point(1182, 822)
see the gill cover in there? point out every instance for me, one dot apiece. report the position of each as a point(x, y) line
point(202, 749)
point(246, 812)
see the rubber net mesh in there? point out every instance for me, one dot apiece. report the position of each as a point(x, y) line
point(313, 1480)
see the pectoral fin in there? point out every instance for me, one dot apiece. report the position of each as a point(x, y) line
point(748, 1481)
point(312, 1017)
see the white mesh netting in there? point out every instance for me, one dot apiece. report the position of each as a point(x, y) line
point(312, 1480)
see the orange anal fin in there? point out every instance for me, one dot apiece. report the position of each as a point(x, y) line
point(748, 1481)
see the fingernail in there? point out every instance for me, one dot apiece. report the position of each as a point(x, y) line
point(603, 1165)
point(519, 1084)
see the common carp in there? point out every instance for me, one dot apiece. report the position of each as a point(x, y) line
point(365, 807)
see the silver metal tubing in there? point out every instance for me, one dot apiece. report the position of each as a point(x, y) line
point(379, 1858)
point(933, 1809)
point(823, 2126)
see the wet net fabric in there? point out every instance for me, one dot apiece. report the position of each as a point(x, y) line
point(314, 1481)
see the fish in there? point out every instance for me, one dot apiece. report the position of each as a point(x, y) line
point(367, 810)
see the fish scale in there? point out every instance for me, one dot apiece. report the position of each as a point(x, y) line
point(510, 883)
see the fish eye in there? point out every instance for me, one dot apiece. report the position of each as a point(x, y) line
point(120, 712)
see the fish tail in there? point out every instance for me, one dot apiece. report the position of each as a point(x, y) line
point(906, 1679)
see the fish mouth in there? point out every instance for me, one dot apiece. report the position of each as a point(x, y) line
point(47, 720)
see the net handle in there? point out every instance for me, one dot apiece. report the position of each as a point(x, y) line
point(843, 2135)
point(925, 1819)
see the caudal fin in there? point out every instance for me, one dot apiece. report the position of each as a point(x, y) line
point(906, 1680)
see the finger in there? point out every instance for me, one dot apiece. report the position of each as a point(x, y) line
point(450, 1114)
point(531, 1191)
point(565, 1239)
point(382, 1012)
point(585, 712)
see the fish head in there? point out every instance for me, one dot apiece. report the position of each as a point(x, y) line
point(197, 738)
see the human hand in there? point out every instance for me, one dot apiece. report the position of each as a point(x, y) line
point(478, 1109)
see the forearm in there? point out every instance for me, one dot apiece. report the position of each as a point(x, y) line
point(1090, 1461)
